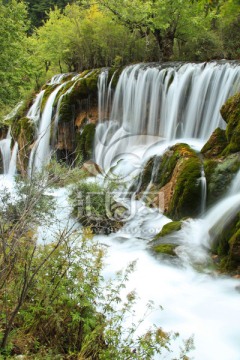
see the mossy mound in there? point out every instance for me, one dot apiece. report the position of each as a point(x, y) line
point(91, 207)
point(219, 174)
point(23, 131)
point(25, 128)
point(164, 166)
point(167, 249)
point(226, 245)
point(186, 198)
point(85, 141)
point(168, 229)
point(73, 93)
point(230, 112)
point(215, 145)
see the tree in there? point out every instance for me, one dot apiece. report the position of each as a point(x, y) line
point(15, 68)
point(83, 37)
point(165, 19)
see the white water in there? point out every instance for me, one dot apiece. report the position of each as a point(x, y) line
point(203, 304)
point(203, 182)
point(40, 154)
point(235, 188)
point(180, 101)
point(152, 109)
point(13, 162)
point(102, 95)
point(35, 109)
point(5, 151)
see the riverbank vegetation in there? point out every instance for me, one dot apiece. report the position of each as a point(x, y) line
point(55, 303)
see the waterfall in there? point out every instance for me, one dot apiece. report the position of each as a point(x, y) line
point(178, 101)
point(235, 186)
point(35, 110)
point(40, 153)
point(102, 95)
point(5, 151)
point(13, 162)
point(203, 182)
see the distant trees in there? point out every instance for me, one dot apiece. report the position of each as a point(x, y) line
point(14, 57)
point(40, 38)
point(79, 38)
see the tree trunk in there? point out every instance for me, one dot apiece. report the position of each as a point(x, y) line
point(165, 43)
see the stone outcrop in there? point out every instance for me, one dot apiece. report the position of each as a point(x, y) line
point(175, 184)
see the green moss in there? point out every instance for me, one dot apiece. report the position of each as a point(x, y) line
point(186, 199)
point(147, 174)
point(226, 244)
point(230, 112)
point(94, 214)
point(216, 144)
point(85, 141)
point(169, 162)
point(116, 72)
point(169, 228)
point(219, 174)
point(167, 249)
point(24, 129)
point(73, 93)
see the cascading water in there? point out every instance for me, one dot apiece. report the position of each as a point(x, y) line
point(5, 150)
point(40, 153)
point(102, 95)
point(178, 101)
point(35, 110)
point(203, 182)
point(235, 188)
point(152, 109)
point(13, 162)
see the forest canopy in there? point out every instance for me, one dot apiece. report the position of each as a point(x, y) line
point(52, 36)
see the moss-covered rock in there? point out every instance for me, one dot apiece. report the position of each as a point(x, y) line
point(73, 93)
point(168, 229)
point(230, 112)
point(23, 131)
point(85, 141)
point(92, 210)
point(167, 249)
point(215, 145)
point(186, 198)
point(226, 245)
point(219, 174)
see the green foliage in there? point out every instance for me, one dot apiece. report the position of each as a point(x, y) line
point(84, 37)
point(54, 301)
point(15, 62)
point(60, 174)
point(96, 208)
